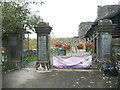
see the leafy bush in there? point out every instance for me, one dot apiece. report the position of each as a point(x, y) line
point(32, 59)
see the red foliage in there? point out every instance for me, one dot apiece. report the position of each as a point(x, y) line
point(66, 47)
point(89, 44)
point(80, 46)
point(58, 44)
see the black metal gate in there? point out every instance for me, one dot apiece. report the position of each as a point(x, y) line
point(25, 50)
point(116, 56)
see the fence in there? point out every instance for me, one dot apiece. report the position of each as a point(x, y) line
point(116, 56)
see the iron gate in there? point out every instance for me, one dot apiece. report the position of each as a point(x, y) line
point(116, 56)
point(25, 50)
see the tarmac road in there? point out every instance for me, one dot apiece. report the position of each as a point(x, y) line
point(58, 78)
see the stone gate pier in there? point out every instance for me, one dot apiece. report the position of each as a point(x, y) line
point(105, 28)
point(43, 56)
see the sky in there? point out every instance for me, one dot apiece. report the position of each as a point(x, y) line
point(64, 16)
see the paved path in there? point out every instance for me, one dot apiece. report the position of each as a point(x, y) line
point(58, 78)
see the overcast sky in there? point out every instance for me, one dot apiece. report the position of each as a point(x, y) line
point(64, 16)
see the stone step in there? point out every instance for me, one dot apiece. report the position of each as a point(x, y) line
point(71, 69)
point(90, 68)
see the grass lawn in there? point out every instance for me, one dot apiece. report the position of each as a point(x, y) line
point(68, 51)
point(32, 59)
point(56, 53)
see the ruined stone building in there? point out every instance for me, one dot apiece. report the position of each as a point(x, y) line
point(104, 32)
point(83, 28)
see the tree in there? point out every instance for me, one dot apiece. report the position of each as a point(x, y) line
point(16, 17)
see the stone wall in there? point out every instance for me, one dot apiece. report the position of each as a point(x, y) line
point(116, 41)
point(83, 28)
point(119, 3)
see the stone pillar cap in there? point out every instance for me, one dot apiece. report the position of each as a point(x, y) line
point(43, 28)
point(43, 24)
point(105, 22)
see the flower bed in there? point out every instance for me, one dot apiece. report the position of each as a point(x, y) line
point(67, 47)
point(80, 46)
point(58, 44)
point(89, 44)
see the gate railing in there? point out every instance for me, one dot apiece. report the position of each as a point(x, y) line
point(25, 57)
point(116, 56)
point(25, 52)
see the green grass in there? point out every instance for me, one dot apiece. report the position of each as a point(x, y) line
point(56, 53)
point(68, 51)
point(53, 54)
point(32, 59)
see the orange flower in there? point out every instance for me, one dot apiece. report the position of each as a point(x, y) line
point(66, 47)
point(89, 44)
point(58, 44)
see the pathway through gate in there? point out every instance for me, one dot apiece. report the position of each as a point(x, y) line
point(71, 53)
point(64, 53)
